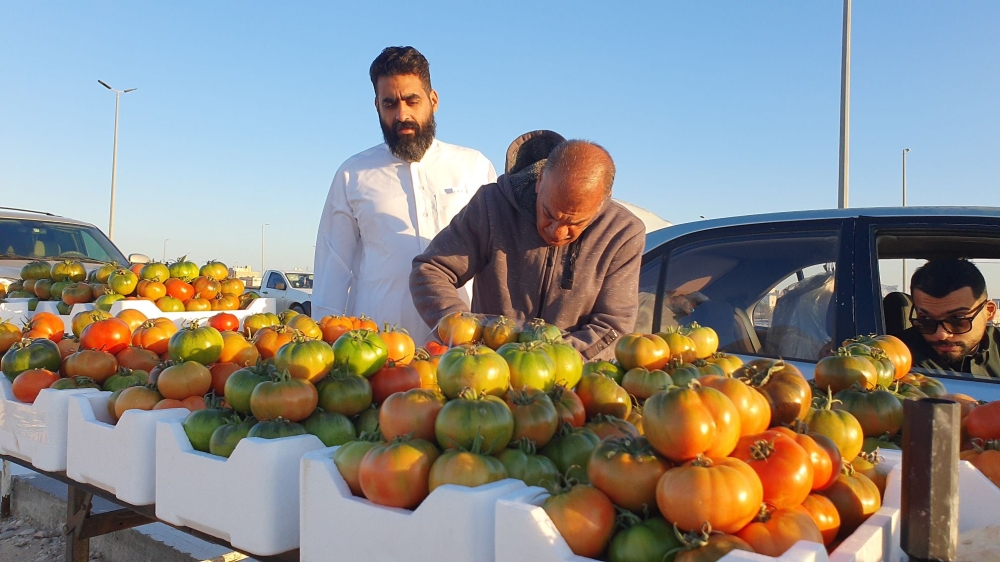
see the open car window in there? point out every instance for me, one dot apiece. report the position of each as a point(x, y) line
point(768, 293)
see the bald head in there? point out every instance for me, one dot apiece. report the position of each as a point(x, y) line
point(572, 188)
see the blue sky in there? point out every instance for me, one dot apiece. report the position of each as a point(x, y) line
point(244, 110)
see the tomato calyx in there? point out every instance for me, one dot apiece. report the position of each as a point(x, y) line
point(762, 449)
point(524, 444)
point(980, 445)
point(693, 540)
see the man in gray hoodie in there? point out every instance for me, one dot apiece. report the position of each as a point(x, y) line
point(545, 241)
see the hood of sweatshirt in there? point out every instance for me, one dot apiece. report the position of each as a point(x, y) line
point(525, 158)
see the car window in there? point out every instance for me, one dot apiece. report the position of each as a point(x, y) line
point(721, 281)
point(274, 280)
point(900, 252)
point(36, 239)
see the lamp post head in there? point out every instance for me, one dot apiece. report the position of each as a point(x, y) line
point(105, 84)
point(905, 150)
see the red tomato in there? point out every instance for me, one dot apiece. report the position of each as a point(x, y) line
point(392, 378)
point(396, 474)
point(29, 383)
point(410, 413)
point(782, 465)
point(224, 321)
point(776, 531)
point(111, 335)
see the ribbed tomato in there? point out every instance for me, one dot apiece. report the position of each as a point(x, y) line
point(399, 345)
point(725, 493)
point(477, 367)
point(413, 413)
point(224, 321)
point(396, 474)
point(600, 394)
point(642, 350)
point(98, 365)
point(535, 416)
point(752, 406)
point(568, 405)
point(284, 397)
point(824, 514)
point(305, 358)
point(775, 531)
point(392, 378)
point(584, 516)
point(627, 470)
point(781, 464)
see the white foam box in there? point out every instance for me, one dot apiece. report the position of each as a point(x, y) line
point(36, 432)
point(452, 523)
point(119, 458)
point(179, 318)
point(978, 499)
point(525, 532)
point(250, 499)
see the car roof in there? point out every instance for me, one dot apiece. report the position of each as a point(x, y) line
point(658, 237)
point(26, 214)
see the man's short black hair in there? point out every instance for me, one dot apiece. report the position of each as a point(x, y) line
point(394, 61)
point(938, 278)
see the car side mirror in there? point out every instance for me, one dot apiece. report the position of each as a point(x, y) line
point(279, 286)
point(138, 258)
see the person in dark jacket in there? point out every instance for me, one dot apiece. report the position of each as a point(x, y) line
point(950, 330)
point(545, 241)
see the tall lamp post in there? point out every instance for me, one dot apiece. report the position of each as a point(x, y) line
point(845, 112)
point(114, 156)
point(262, 251)
point(905, 150)
point(165, 250)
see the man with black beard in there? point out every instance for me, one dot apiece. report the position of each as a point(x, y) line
point(388, 202)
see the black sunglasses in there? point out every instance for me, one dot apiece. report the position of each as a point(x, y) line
point(955, 325)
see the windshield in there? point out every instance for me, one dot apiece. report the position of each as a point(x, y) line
point(300, 280)
point(44, 240)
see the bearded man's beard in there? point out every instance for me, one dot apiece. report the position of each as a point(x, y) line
point(410, 147)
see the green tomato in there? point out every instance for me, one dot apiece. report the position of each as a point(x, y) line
point(530, 366)
point(571, 447)
point(331, 428)
point(196, 343)
point(200, 424)
point(471, 418)
point(225, 437)
point(39, 353)
point(567, 360)
point(648, 541)
point(276, 429)
point(360, 352)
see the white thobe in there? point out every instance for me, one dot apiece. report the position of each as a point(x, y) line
point(380, 213)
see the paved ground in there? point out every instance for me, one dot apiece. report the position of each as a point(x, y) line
point(24, 539)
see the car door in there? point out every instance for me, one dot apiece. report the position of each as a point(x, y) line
point(895, 247)
point(276, 288)
point(771, 289)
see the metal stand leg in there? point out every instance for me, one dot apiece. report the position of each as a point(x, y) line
point(5, 489)
point(77, 511)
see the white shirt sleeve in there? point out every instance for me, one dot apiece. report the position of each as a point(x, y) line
point(337, 243)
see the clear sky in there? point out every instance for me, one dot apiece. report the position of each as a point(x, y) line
point(244, 110)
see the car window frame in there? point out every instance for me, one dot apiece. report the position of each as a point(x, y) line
point(844, 276)
point(869, 294)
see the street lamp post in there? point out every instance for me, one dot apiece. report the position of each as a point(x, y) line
point(262, 251)
point(114, 156)
point(905, 150)
point(165, 250)
point(845, 112)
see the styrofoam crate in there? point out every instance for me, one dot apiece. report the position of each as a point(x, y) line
point(250, 499)
point(146, 307)
point(525, 532)
point(118, 458)
point(36, 432)
point(14, 311)
point(452, 523)
point(978, 499)
point(179, 318)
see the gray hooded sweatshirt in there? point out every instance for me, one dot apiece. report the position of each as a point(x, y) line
point(588, 288)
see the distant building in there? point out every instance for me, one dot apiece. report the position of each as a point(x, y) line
point(246, 274)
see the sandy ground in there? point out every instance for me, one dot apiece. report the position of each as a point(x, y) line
point(22, 540)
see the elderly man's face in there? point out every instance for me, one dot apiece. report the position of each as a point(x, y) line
point(406, 112)
point(961, 303)
point(563, 210)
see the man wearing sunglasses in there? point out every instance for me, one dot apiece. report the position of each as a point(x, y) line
point(951, 311)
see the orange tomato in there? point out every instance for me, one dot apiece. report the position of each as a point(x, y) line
point(399, 343)
point(151, 290)
point(132, 317)
point(236, 348)
point(334, 326)
point(268, 340)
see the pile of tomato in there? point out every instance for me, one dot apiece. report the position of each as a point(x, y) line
point(671, 451)
point(175, 287)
